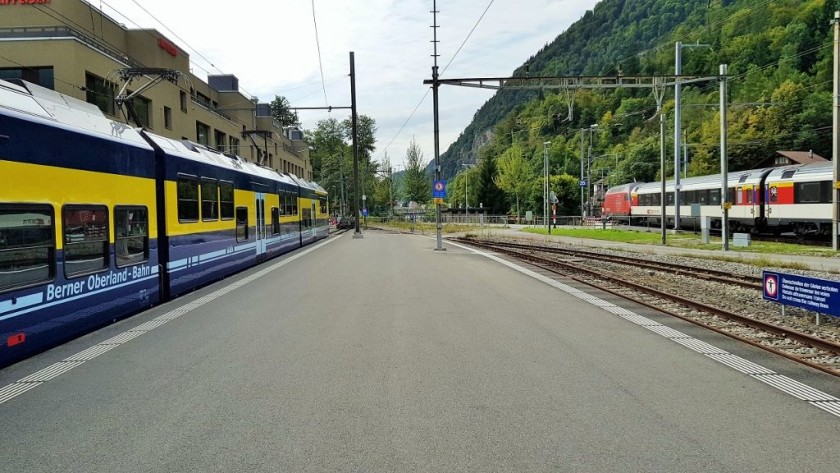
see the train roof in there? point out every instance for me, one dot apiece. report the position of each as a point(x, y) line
point(186, 149)
point(33, 102)
point(712, 181)
point(629, 187)
point(823, 171)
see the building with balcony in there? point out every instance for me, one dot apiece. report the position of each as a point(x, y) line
point(74, 48)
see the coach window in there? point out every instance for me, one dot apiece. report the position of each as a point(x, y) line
point(806, 192)
point(226, 195)
point(131, 231)
point(27, 245)
point(85, 239)
point(187, 199)
point(749, 195)
point(275, 221)
point(739, 195)
point(241, 223)
point(209, 200)
point(714, 197)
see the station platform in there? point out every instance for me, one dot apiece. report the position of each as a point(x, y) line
point(382, 354)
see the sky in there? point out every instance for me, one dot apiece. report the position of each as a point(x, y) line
point(272, 47)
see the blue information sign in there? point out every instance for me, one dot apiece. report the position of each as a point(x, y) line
point(364, 211)
point(583, 182)
point(818, 295)
point(439, 189)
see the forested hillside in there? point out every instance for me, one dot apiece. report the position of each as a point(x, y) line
point(780, 62)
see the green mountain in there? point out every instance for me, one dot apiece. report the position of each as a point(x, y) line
point(779, 54)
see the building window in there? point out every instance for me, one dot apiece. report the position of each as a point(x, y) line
point(202, 133)
point(85, 239)
point(143, 109)
point(131, 232)
point(167, 118)
point(234, 146)
point(27, 245)
point(183, 101)
point(99, 93)
point(202, 99)
point(43, 76)
point(187, 199)
point(221, 138)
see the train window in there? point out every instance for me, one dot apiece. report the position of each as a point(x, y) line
point(806, 192)
point(282, 203)
point(226, 196)
point(27, 245)
point(773, 191)
point(85, 239)
point(323, 206)
point(750, 193)
point(209, 200)
point(670, 197)
point(743, 178)
point(241, 223)
point(275, 221)
point(788, 174)
point(714, 197)
point(131, 235)
point(826, 192)
point(739, 195)
point(187, 199)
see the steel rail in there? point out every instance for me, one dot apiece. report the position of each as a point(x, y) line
point(749, 282)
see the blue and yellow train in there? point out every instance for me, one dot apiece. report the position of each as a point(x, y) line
point(99, 220)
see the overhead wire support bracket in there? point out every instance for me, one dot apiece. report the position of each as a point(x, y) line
point(155, 75)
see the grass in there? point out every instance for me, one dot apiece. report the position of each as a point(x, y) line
point(691, 241)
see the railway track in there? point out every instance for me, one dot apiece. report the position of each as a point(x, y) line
point(801, 347)
point(750, 282)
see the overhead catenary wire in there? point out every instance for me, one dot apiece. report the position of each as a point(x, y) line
point(423, 99)
point(320, 63)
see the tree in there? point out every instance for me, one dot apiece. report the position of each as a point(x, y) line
point(514, 174)
point(282, 112)
point(416, 184)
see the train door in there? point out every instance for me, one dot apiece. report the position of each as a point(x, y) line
point(260, 206)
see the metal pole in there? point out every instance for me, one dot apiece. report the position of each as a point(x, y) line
point(662, 173)
point(357, 233)
point(677, 132)
point(435, 86)
point(724, 163)
point(582, 151)
point(546, 186)
point(589, 175)
point(835, 145)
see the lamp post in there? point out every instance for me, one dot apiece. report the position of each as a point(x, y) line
point(583, 179)
point(467, 188)
point(589, 170)
point(545, 185)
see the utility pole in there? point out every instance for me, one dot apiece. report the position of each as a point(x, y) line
point(435, 86)
point(835, 145)
point(357, 233)
point(546, 186)
point(724, 160)
point(582, 181)
point(678, 125)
